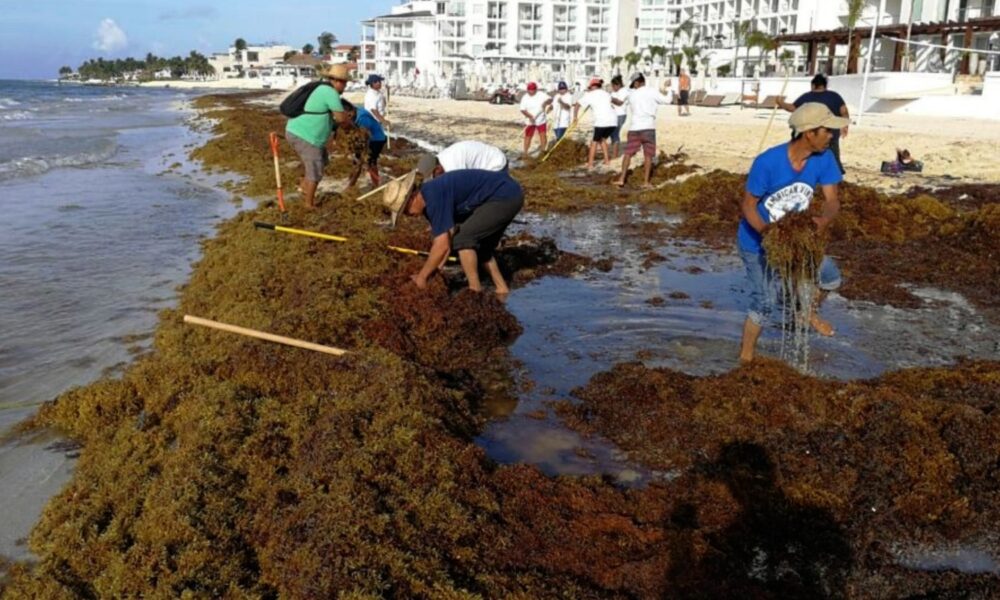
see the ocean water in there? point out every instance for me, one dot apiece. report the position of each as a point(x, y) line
point(97, 231)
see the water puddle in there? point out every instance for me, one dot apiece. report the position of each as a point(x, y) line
point(683, 310)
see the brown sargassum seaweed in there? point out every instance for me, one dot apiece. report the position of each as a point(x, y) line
point(223, 467)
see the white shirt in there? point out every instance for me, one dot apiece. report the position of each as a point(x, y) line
point(472, 155)
point(643, 102)
point(374, 100)
point(563, 104)
point(599, 102)
point(533, 104)
point(622, 94)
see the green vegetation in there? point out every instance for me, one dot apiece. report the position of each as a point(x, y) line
point(144, 70)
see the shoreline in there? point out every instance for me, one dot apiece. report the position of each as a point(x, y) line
point(376, 450)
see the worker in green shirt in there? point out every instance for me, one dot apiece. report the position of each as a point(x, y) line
point(308, 133)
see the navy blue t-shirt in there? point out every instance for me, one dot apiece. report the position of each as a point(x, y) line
point(782, 190)
point(454, 195)
point(832, 100)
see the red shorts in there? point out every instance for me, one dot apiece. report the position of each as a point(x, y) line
point(645, 139)
point(531, 129)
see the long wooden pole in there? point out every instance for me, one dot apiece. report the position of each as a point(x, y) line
point(263, 335)
point(774, 111)
point(273, 138)
point(569, 130)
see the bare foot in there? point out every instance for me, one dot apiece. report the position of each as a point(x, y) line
point(745, 360)
point(618, 183)
point(647, 186)
point(822, 327)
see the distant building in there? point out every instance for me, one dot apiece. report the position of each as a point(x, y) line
point(344, 53)
point(233, 63)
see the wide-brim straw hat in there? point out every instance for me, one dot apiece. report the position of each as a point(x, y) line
point(397, 192)
point(337, 71)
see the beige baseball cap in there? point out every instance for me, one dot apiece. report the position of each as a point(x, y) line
point(813, 115)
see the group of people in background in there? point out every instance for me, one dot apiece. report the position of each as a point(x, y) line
point(468, 196)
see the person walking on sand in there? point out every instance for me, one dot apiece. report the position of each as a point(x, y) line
point(375, 102)
point(309, 132)
point(782, 180)
point(562, 103)
point(534, 105)
point(619, 99)
point(468, 210)
point(684, 92)
point(605, 119)
point(469, 154)
point(833, 101)
point(643, 103)
point(376, 142)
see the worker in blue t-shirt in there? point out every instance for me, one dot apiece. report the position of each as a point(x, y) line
point(376, 142)
point(833, 101)
point(782, 180)
point(469, 211)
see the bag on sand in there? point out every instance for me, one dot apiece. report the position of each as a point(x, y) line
point(295, 104)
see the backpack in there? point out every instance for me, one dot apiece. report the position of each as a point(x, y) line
point(295, 104)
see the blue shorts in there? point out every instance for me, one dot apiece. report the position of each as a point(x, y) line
point(560, 131)
point(616, 135)
point(761, 282)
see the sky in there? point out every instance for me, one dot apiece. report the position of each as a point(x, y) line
point(39, 36)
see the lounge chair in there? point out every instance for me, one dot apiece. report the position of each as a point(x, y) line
point(712, 101)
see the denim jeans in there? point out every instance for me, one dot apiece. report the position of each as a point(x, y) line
point(560, 131)
point(761, 279)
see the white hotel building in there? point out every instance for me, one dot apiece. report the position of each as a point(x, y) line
point(563, 38)
point(572, 39)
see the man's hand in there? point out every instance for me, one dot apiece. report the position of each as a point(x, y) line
point(420, 282)
point(821, 223)
point(843, 132)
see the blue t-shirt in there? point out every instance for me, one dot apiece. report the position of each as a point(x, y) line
point(832, 100)
point(364, 119)
point(782, 190)
point(454, 195)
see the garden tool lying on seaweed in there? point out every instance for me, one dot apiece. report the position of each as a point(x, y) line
point(333, 238)
point(569, 130)
point(263, 335)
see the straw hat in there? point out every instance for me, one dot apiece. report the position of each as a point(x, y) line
point(397, 192)
point(337, 71)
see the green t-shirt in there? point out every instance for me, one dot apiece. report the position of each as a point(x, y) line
point(315, 129)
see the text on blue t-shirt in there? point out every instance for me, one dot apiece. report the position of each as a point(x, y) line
point(781, 190)
point(452, 196)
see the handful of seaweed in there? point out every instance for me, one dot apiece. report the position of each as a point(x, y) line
point(794, 251)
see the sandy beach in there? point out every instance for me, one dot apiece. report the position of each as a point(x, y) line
point(728, 137)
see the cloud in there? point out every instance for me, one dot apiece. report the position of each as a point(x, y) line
point(109, 37)
point(193, 12)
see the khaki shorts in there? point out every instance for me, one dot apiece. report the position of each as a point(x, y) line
point(314, 158)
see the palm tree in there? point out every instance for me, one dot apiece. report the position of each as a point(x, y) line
point(615, 61)
point(691, 53)
point(657, 52)
point(632, 59)
point(684, 28)
point(64, 71)
point(307, 49)
point(289, 54)
point(742, 32)
point(326, 41)
point(854, 10)
point(766, 43)
point(240, 44)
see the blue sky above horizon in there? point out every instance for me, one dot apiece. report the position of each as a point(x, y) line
point(36, 38)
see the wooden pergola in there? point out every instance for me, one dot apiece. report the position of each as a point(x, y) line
point(834, 37)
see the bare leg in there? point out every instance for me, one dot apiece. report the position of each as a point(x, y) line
point(626, 159)
point(527, 145)
point(751, 332)
point(497, 277)
point(590, 155)
point(309, 193)
point(647, 169)
point(355, 173)
point(470, 265)
point(607, 153)
point(822, 326)
point(543, 142)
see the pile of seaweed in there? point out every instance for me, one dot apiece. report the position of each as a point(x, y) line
point(790, 486)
